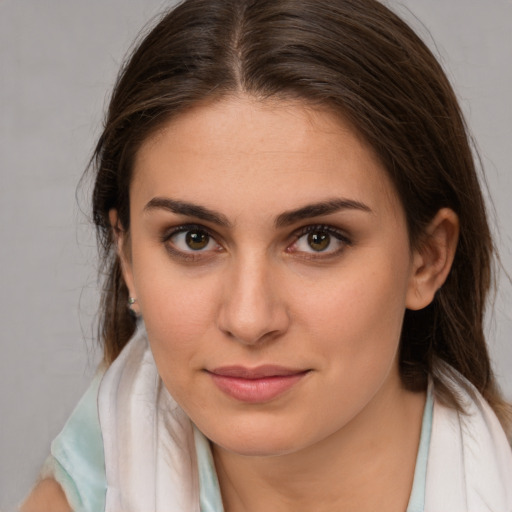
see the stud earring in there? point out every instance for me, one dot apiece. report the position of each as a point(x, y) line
point(131, 302)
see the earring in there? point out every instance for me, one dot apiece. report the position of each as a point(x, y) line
point(131, 302)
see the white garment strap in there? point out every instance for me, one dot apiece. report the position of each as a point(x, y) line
point(470, 461)
point(148, 439)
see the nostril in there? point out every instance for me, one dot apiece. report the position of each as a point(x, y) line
point(254, 327)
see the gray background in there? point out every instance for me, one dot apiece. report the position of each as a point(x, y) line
point(58, 60)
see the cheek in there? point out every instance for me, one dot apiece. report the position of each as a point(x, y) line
point(178, 310)
point(355, 333)
point(358, 315)
point(178, 323)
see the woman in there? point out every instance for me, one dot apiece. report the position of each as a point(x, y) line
point(298, 263)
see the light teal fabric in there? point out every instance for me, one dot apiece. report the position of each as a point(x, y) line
point(417, 499)
point(77, 460)
point(209, 491)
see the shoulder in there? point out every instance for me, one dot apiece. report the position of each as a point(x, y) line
point(47, 496)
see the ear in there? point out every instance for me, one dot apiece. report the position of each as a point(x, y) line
point(433, 258)
point(123, 253)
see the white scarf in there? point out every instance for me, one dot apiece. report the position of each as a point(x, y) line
point(470, 460)
point(469, 466)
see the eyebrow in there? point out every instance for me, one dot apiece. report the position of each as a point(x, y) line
point(188, 209)
point(322, 208)
point(284, 219)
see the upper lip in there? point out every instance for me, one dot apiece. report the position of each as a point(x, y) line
point(259, 372)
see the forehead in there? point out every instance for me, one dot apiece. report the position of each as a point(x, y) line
point(274, 153)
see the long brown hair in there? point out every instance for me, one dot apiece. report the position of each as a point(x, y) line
point(357, 58)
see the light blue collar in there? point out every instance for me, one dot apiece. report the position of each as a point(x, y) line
point(417, 499)
point(210, 499)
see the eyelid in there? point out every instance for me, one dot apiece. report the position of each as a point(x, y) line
point(182, 228)
point(328, 228)
point(331, 230)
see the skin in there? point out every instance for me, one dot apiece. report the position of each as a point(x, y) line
point(47, 496)
point(259, 290)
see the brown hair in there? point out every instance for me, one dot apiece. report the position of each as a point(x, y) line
point(352, 56)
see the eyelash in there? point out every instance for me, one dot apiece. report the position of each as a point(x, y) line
point(194, 256)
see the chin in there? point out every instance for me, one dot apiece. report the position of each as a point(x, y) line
point(259, 441)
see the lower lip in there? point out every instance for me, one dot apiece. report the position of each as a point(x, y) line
point(256, 390)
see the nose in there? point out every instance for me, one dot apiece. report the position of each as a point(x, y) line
point(253, 310)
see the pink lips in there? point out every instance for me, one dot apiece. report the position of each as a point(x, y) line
point(255, 385)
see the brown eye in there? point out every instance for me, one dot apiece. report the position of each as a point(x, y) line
point(191, 243)
point(319, 240)
point(197, 240)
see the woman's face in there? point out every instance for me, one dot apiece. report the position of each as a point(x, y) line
point(270, 260)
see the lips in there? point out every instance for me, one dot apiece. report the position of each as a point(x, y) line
point(256, 385)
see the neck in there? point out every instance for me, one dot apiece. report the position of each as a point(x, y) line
point(367, 465)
